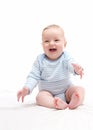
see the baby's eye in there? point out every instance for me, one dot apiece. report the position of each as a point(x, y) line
point(46, 41)
point(56, 40)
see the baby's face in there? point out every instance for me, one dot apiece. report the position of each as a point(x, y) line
point(53, 42)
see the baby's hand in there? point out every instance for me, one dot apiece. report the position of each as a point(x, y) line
point(78, 69)
point(22, 93)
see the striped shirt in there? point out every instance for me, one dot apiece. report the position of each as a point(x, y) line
point(51, 75)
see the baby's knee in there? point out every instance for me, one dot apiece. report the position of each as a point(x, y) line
point(41, 96)
point(38, 97)
point(80, 90)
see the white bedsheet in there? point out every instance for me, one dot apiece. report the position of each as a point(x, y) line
point(28, 116)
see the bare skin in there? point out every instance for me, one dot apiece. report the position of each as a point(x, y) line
point(46, 99)
point(22, 93)
point(60, 104)
point(74, 97)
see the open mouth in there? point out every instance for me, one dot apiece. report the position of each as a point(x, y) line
point(52, 49)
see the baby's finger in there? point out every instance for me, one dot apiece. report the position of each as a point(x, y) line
point(81, 74)
point(18, 96)
point(22, 98)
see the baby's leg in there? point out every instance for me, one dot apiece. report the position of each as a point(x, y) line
point(75, 96)
point(44, 98)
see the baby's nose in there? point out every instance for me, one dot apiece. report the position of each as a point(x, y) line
point(52, 43)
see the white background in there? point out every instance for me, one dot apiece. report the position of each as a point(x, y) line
point(21, 24)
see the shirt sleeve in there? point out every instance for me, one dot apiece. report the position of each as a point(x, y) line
point(34, 76)
point(70, 66)
point(69, 60)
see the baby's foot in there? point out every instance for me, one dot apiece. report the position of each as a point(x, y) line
point(60, 104)
point(75, 101)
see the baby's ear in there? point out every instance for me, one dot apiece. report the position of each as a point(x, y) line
point(65, 43)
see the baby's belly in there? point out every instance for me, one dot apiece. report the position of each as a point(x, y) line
point(56, 87)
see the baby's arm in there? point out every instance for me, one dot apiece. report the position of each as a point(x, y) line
point(22, 93)
point(78, 69)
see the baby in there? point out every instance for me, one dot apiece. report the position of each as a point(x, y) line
point(52, 71)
